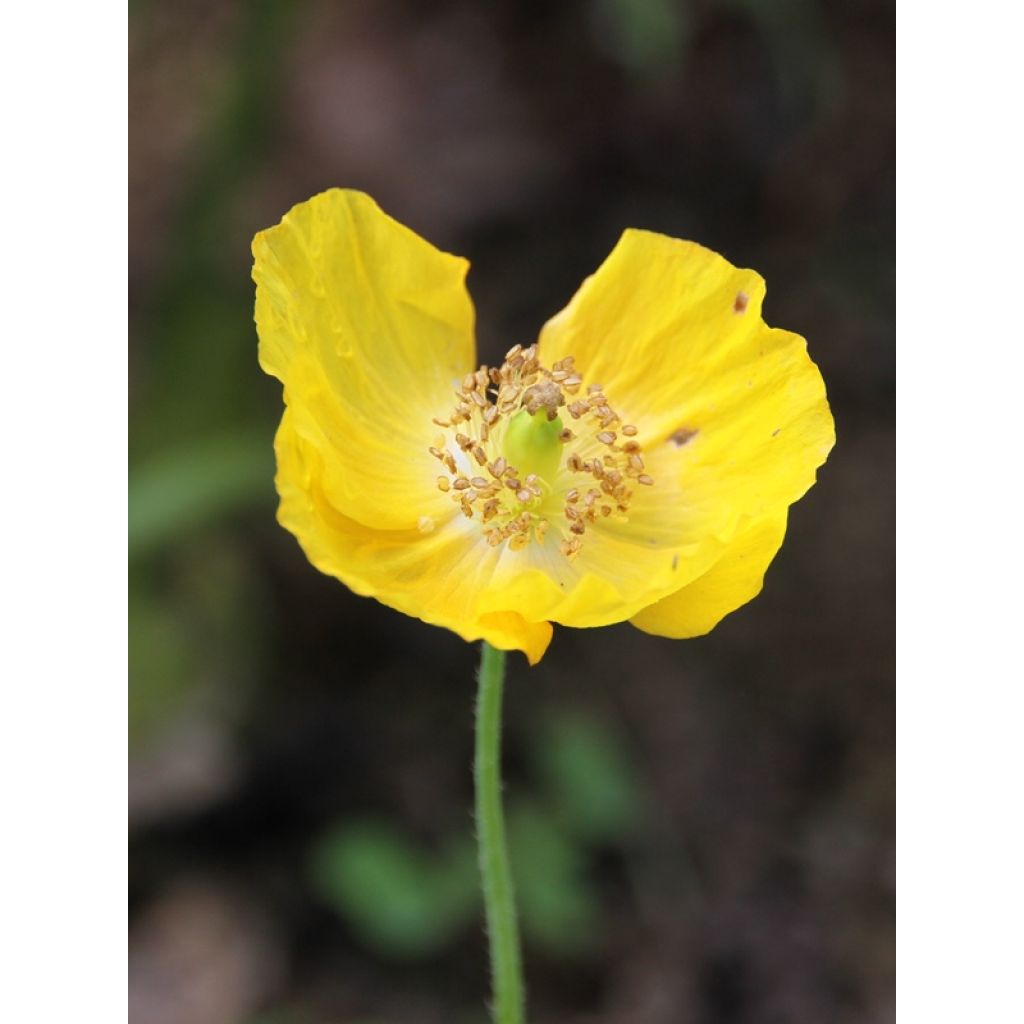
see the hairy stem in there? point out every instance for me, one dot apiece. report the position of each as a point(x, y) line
point(496, 875)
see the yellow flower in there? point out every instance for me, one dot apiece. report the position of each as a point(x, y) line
point(636, 463)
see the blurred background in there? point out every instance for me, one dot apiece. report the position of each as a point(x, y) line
point(702, 831)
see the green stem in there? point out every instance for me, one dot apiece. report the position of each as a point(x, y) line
point(499, 899)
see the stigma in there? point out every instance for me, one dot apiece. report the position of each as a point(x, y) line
point(509, 462)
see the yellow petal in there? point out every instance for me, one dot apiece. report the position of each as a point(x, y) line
point(613, 577)
point(367, 326)
point(436, 575)
point(731, 582)
point(731, 414)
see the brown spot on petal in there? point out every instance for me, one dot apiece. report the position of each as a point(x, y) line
point(681, 436)
point(740, 303)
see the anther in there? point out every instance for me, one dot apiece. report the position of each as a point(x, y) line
point(570, 548)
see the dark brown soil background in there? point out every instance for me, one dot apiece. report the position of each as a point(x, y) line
point(706, 827)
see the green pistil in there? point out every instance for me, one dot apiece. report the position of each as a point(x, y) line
point(532, 444)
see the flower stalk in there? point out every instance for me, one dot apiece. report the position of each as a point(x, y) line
point(495, 871)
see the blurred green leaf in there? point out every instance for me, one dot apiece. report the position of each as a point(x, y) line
point(159, 659)
point(590, 778)
point(196, 631)
point(646, 36)
point(800, 45)
point(407, 903)
point(178, 492)
point(194, 341)
point(401, 901)
point(286, 1016)
point(557, 904)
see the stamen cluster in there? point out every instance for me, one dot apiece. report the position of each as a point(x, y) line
point(518, 507)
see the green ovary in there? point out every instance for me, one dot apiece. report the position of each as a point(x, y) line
point(532, 444)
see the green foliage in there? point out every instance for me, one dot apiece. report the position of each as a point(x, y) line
point(283, 1017)
point(404, 901)
point(401, 900)
point(586, 770)
point(158, 659)
point(801, 48)
point(646, 36)
point(200, 442)
point(195, 341)
point(196, 631)
point(558, 907)
point(177, 493)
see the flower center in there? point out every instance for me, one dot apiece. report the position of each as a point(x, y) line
point(510, 463)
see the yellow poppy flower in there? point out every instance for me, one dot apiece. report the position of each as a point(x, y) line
point(636, 463)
